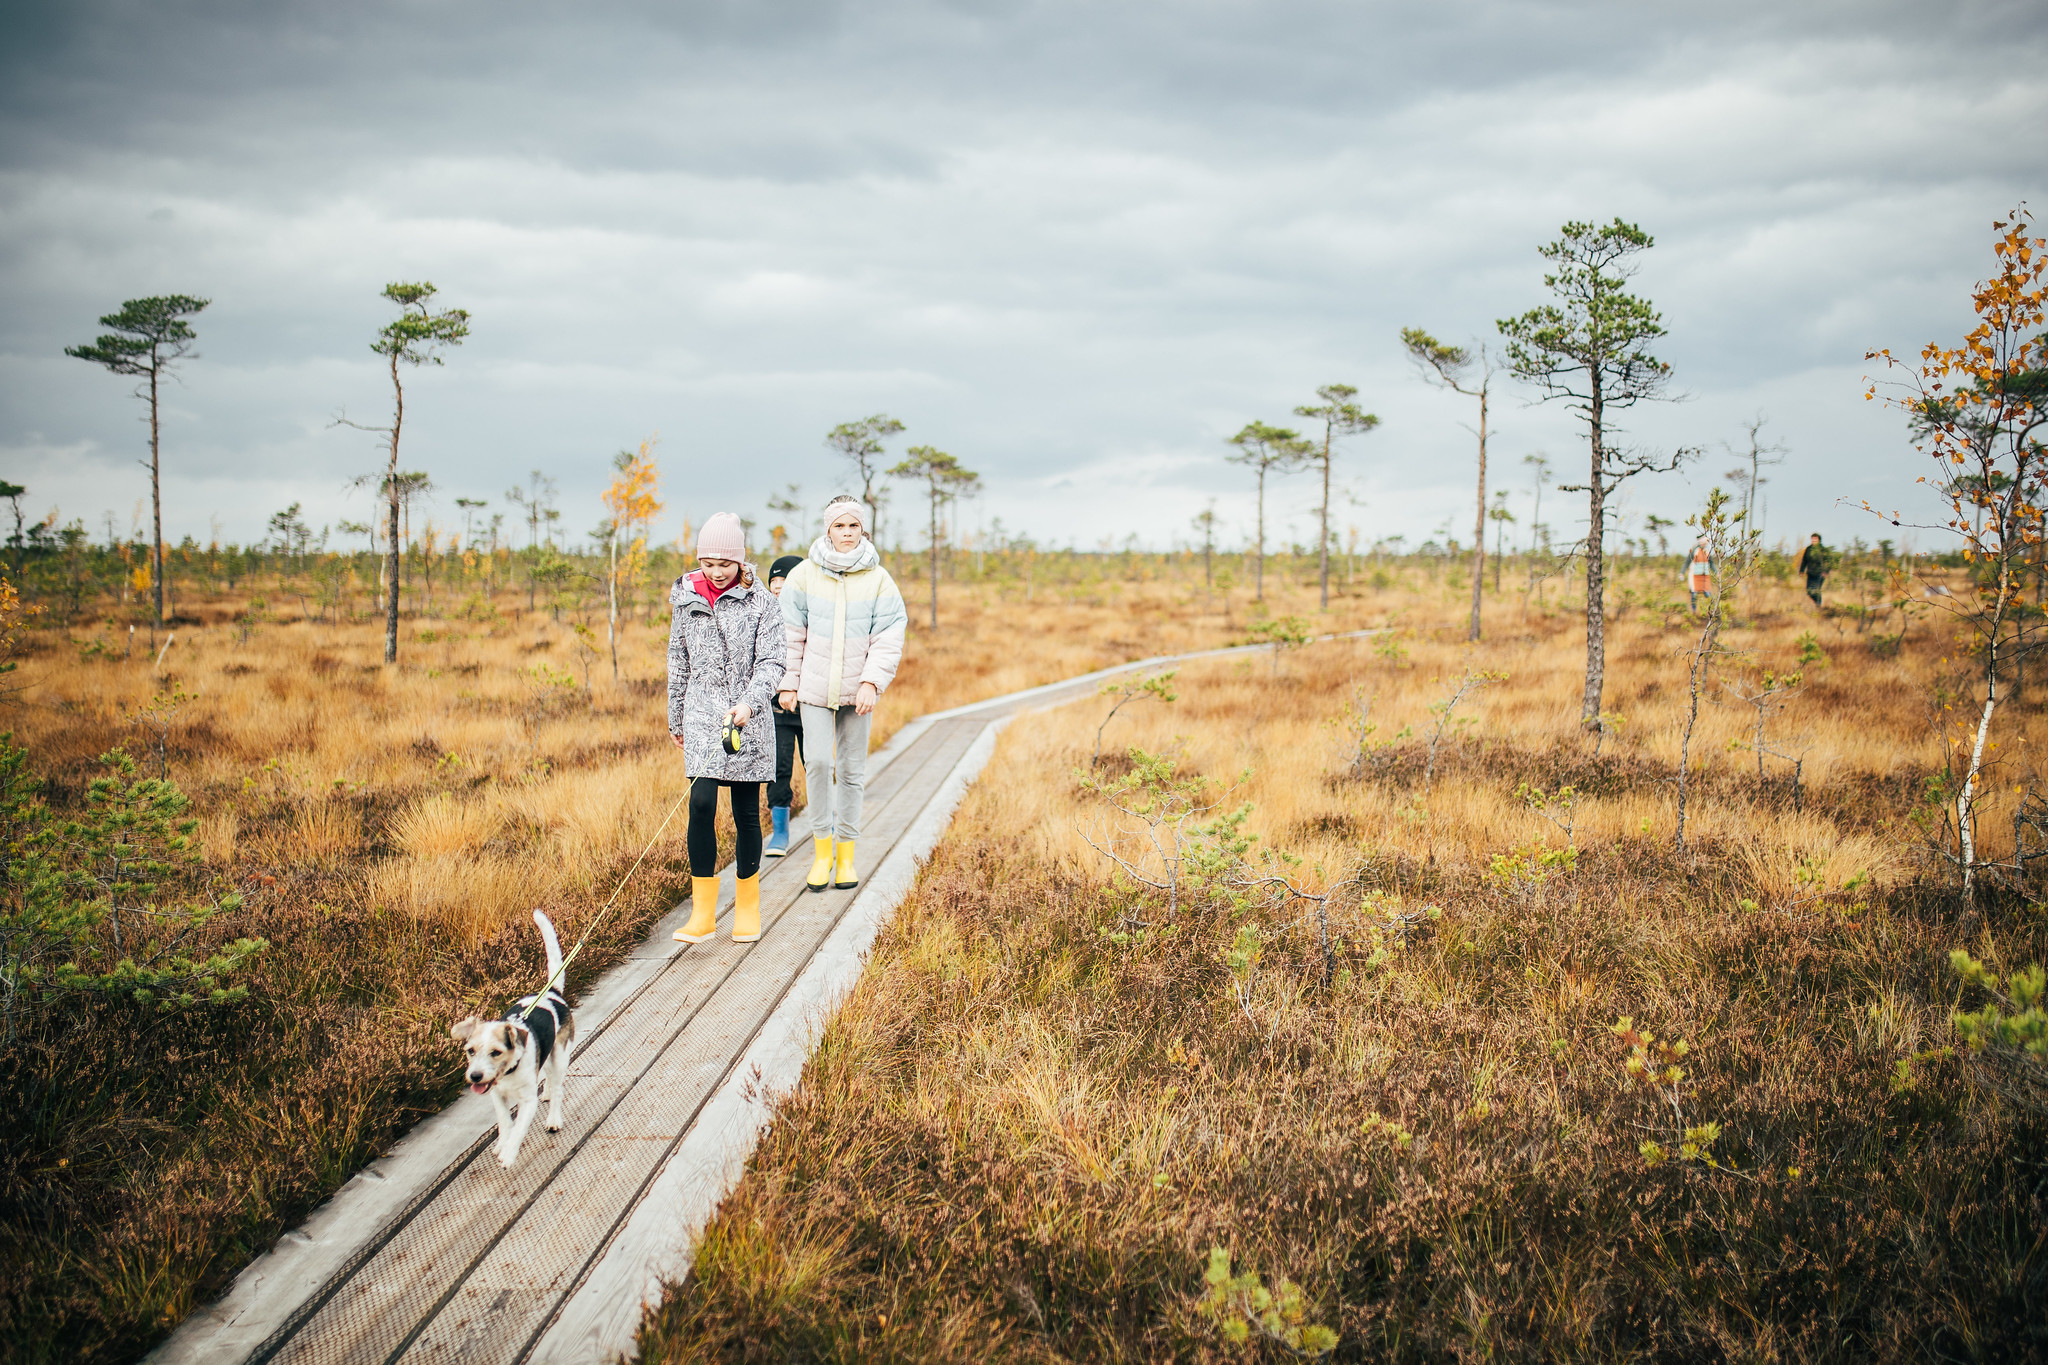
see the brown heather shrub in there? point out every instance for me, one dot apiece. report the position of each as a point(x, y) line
point(1019, 1138)
point(391, 830)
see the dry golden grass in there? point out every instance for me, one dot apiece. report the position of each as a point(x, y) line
point(1025, 1129)
point(390, 830)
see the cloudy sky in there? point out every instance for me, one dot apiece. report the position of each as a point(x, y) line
point(1077, 245)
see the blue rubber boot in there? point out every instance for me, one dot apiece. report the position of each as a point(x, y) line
point(778, 841)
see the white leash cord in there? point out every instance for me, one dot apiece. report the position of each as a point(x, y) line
point(591, 928)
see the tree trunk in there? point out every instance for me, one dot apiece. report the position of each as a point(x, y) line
point(1478, 525)
point(156, 497)
point(934, 550)
point(1323, 522)
point(1596, 574)
point(611, 629)
point(1694, 685)
point(391, 522)
point(1966, 798)
point(1259, 555)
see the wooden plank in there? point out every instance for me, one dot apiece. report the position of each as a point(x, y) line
point(657, 1240)
point(548, 1259)
point(388, 1300)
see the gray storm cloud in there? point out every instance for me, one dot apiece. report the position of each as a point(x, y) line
point(1075, 245)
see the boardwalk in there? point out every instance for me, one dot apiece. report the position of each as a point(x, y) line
point(435, 1253)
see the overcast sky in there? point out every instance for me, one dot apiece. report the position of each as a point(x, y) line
point(1076, 245)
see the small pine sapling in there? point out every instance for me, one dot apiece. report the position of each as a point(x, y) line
point(64, 880)
point(2007, 1040)
point(1657, 1065)
point(587, 652)
point(156, 716)
point(1156, 834)
point(1241, 959)
point(1241, 1305)
point(1730, 550)
point(1769, 694)
point(1129, 689)
point(1283, 633)
point(1470, 682)
point(1388, 922)
point(1277, 884)
point(1356, 723)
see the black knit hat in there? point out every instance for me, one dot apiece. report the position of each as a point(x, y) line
point(783, 567)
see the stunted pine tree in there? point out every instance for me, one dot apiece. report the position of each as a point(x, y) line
point(415, 338)
point(1204, 523)
point(1979, 409)
point(538, 500)
point(148, 337)
point(1340, 417)
point(1461, 371)
point(1267, 450)
point(860, 445)
point(1590, 349)
point(945, 479)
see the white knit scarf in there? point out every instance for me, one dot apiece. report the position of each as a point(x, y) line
point(861, 556)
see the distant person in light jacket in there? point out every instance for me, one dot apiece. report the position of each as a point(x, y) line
point(843, 622)
point(1699, 573)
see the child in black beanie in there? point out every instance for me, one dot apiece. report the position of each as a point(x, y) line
point(789, 739)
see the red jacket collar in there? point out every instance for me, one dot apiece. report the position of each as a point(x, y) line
point(703, 587)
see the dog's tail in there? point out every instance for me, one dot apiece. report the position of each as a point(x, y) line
point(547, 936)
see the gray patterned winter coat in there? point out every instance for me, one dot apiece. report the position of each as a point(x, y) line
point(719, 655)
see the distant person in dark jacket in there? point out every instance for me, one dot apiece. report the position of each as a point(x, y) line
point(1813, 562)
point(789, 739)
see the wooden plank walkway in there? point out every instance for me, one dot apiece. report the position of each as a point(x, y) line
point(435, 1253)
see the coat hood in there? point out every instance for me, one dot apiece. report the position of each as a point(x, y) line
point(681, 594)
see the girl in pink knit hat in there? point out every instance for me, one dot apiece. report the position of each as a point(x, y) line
point(725, 660)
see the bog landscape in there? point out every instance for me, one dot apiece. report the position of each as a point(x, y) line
point(1523, 950)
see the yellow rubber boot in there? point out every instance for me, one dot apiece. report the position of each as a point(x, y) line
point(746, 909)
point(821, 866)
point(843, 875)
point(703, 911)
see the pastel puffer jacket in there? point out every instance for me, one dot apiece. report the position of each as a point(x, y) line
point(840, 630)
point(721, 654)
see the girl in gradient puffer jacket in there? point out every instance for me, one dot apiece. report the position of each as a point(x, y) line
point(842, 625)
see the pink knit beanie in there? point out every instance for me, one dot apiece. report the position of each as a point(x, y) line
point(722, 538)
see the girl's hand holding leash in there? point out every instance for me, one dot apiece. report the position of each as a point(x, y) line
point(739, 715)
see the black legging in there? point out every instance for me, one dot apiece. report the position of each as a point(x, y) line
point(703, 836)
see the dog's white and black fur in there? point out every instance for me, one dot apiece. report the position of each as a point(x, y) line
point(521, 1058)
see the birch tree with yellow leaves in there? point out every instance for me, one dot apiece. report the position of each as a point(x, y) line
point(634, 500)
point(1978, 409)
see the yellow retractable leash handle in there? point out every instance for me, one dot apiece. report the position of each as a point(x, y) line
point(559, 975)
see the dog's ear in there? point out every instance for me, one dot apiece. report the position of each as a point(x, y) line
point(465, 1028)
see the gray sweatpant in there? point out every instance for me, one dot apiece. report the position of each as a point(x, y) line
point(835, 768)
